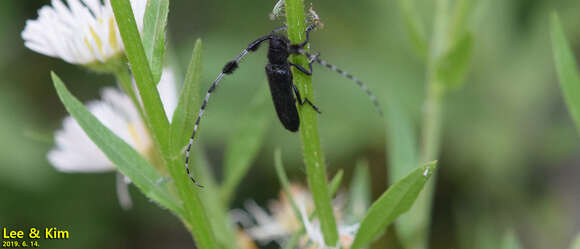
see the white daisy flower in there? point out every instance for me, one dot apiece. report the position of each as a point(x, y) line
point(80, 32)
point(283, 223)
point(314, 238)
point(74, 150)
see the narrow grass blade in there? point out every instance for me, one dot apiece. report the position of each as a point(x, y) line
point(403, 157)
point(187, 107)
point(394, 202)
point(413, 227)
point(360, 191)
point(246, 142)
point(414, 27)
point(205, 203)
point(285, 183)
point(128, 161)
point(454, 64)
point(567, 69)
point(459, 22)
point(402, 141)
point(313, 156)
point(154, 23)
point(335, 183)
point(155, 114)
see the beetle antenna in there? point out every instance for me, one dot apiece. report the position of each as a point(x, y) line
point(349, 76)
point(229, 68)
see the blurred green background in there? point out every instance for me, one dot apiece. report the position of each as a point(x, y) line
point(510, 154)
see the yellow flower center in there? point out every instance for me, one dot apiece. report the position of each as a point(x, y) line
point(113, 34)
point(113, 42)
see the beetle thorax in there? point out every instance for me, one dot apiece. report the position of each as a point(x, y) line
point(278, 51)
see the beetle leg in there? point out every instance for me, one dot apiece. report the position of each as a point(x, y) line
point(305, 100)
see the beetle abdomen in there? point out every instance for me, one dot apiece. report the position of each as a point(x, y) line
point(280, 81)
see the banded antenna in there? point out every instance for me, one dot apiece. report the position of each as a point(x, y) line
point(228, 69)
point(347, 75)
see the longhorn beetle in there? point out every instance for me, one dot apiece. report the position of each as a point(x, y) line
point(280, 80)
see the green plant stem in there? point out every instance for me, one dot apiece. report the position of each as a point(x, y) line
point(195, 214)
point(431, 126)
point(152, 105)
point(430, 129)
point(197, 220)
point(313, 157)
point(126, 82)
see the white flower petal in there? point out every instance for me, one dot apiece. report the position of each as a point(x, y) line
point(276, 227)
point(74, 150)
point(312, 228)
point(168, 92)
point(78, 32)
point(94, 6)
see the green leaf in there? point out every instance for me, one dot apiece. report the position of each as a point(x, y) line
point(394, 202)
point(402, 141)
point(414, 27)
point(127, 160)
point(183, 118)
point(462, 9)
point(246, 142)
point(335, 183)
point(154, 23)
point(204, 202)
point(403, 158)
point(285, 183)
point(453, 66)
point(187, 107)
point(156, 118)
point(360, 191)
point(566, 67)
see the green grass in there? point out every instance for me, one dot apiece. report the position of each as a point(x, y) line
point(567, 69)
